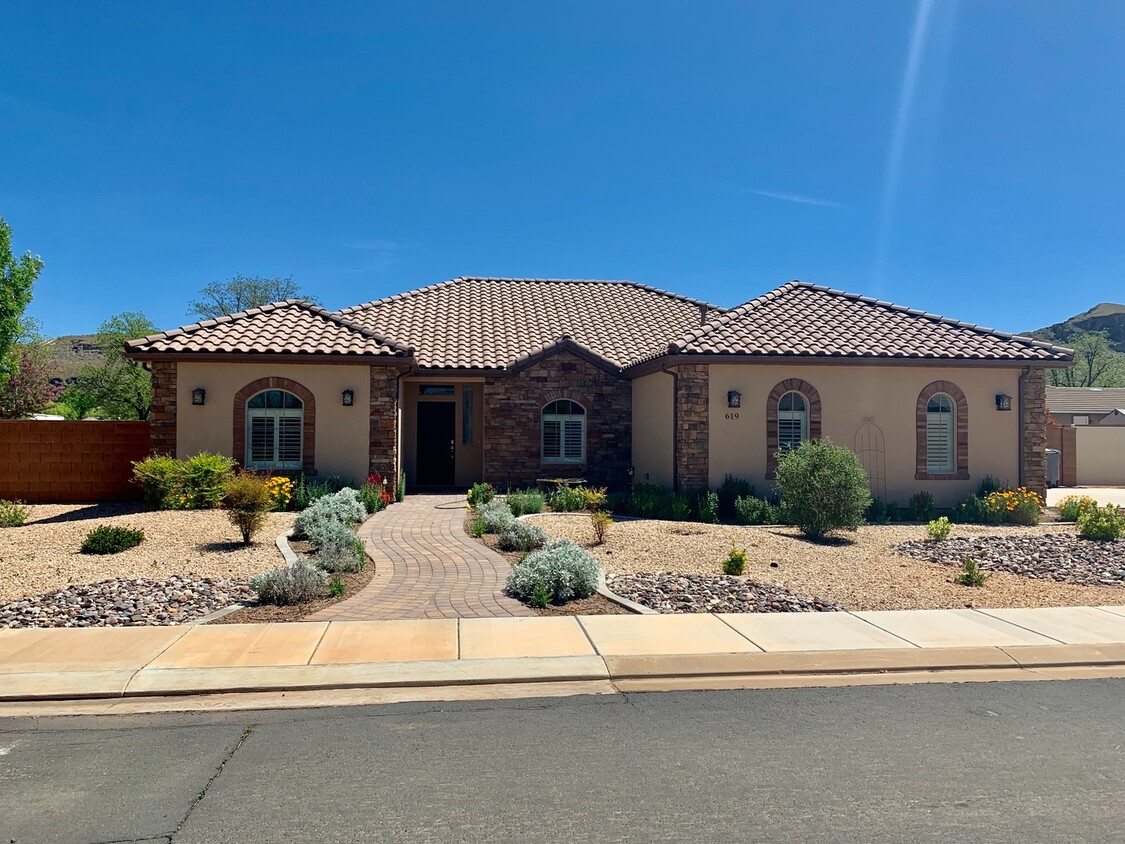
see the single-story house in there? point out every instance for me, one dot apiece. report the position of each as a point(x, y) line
point(1087, 405)
point(512, 380)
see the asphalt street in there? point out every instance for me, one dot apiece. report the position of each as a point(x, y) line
point(989, 762)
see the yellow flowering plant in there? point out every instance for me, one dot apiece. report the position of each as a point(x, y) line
point(280, 490)
point(1019, 506)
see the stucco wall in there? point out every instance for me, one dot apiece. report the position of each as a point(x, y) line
point(653, 434)
point(468, 458)
point(849, 396)
point(1100, 453)
point(342, 435)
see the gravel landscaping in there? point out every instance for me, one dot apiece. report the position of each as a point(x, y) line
point(43, 555)
point(669, 592)
point(125, 603)
point(860, 571)
point(1062, 557)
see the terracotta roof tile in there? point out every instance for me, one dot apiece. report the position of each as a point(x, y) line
point(1085, 399)
point(491, 323)
point(799, 319)
point(290, 327)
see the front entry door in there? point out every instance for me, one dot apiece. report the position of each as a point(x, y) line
point(436, 437)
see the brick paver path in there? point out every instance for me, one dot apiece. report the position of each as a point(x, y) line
point(426, 566)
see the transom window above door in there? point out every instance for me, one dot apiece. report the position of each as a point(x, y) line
point(792, 420)
point(564, 432)
point(274, 430)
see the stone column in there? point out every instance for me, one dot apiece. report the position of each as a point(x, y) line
point(382, 453)
point(692, 427)
point(1033, 430)
point(162, 415)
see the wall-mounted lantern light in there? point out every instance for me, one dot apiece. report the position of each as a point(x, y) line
point(734, 398)
point(349, 397)
point(1003, 402)
point(198, 396)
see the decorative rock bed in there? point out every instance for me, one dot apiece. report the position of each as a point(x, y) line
point(125, 603)
point(670, 592)
point(1062, 557)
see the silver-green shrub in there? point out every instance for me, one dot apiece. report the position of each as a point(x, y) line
point(495, 515)
point(343, 507)
point(521, 536)
point(562, 569)
point(295, 583)
point(341, 552)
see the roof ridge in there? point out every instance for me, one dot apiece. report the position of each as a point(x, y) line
point(726, 317)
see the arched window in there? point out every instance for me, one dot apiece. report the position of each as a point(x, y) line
point(564, 432)
point(941, 436)
point(792, 420)
point(275, 422)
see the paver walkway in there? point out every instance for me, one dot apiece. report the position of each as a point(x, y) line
point(426, 566)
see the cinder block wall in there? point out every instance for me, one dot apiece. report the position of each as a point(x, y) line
point(45, 461)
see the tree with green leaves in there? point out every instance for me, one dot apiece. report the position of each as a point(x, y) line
point(1096, 364)
point(76, 402)
point(17, 277)
point(242, 293)
point(122, 388)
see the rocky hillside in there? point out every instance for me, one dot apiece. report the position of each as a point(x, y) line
point(1106, 317)
point(71, 352)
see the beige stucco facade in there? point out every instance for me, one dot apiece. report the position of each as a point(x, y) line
point(654, 429)
point(342, 433)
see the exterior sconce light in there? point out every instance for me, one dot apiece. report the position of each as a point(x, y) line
point(349, 397)
point(1003, 402)
point(199, 396)
point(734, 398)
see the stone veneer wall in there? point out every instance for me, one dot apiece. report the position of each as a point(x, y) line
point(1033, 430)
point(512, 408)
point(693, 427)
point(382, 452)
point(162, 416)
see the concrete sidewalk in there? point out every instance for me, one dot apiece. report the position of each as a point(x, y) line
point(600, 654)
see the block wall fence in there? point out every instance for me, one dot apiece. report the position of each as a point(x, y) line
point(48, 461)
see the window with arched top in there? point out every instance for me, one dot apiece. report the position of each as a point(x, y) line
point(275, 422)
point(563, 432)
point(793, 414)
point(941, 417)
point(942, 433)
point(792, 420)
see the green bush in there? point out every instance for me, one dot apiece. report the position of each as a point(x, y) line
point(111, 539)
point(730, 491)
point(296, 583)
point(600, 520)
point(336, 586)
point(521, 536)
point(480, 494)
point(707, 507)
point(754, 511)
point(938, 530)
point(525, 501)
point(823, 487)
point(979, 511)
point(921, 507)
point(342, 507)
point(307, 491)
point(735, 563)
point(400, 490)
point(158, 478)
point(568, 499)
point(13, 514)
point(248, 501)
point(1073, 506)
point(560, 572)
point(989, 484)
point(372, 497)
point(1106, 524)
point(197, 483)
point(971, 574)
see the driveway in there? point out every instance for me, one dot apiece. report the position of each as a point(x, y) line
point(1102, 494)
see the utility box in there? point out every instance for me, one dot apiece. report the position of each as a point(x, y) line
point(1054, 466)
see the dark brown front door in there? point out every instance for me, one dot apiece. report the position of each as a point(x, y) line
point(436, 435)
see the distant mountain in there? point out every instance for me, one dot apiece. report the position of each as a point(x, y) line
point(1106, 317)
point(72, 352)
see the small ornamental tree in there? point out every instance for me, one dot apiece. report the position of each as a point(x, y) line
point(28, 391)
point(17, 276)
point(823, 488)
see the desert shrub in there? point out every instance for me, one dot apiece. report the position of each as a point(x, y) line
point(336, 586)
point(307, 491)
point(521, 536)
point(679, 509)
point(730, 490)
point(328, 531)
point(525, 501)
point(735, 563)
point(561, 571)
point(971, 574)
point(648, 501)
point(939, 529)
point(1102, 523)
point(13, 514)
point(823, 487)
point(248, 499)
point(876, 512)
point(111, 539)
point(343, 506)
point(567, 498)
point(1073, 506)
point(594, 497)
point(197, 483)
point(340, 551)
point(892, 511)
point(476, 526)
point(281, 492)
point(296, 583)
point(975, 510)
point(600, 520)
point(157, 477)
point(480, 494)
point(1018, 506)
point(921, 507)
point(989, 484)
point(707, 506)
point(754, 511)
point(373, 494)
point(495, 515)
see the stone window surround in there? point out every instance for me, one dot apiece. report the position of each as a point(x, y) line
point(812, 397)
point(961, 432)
point(308, 439)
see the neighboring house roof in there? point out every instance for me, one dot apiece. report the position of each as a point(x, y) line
point(292, 327)
point(807, 320)
point(493, 323)
point(1085, 399)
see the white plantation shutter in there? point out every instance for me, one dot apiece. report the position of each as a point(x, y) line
point(552, 439)
point(274, 430)
point(262, 438)
point(940, 435)
point(564, 432)
point(792, 421)
point(574, 440)
point(289, 439)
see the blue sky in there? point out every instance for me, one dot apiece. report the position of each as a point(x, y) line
point(966, 158)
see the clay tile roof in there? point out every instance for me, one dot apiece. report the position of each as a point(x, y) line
point(1085, 399)
point(290, 327)
point(800, 319)
point(494, 323)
